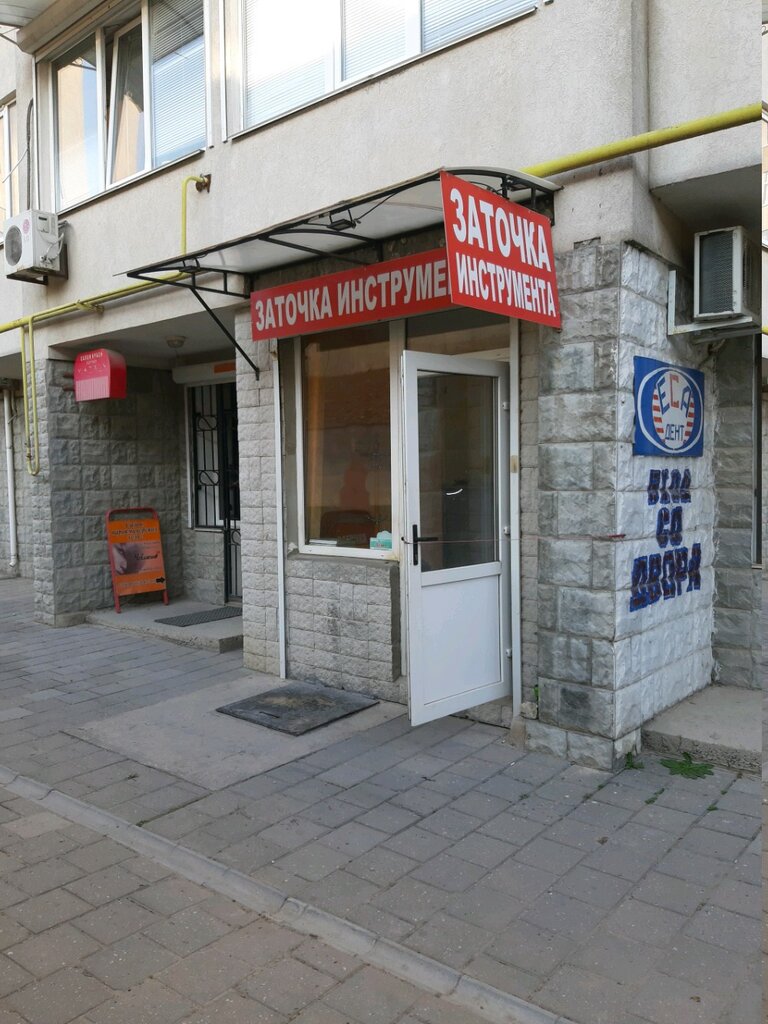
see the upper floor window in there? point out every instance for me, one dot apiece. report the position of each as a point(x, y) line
point(295, 51)
point(9, 163)
point(129, 97)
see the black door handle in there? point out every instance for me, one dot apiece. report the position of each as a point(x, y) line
point(416, 541)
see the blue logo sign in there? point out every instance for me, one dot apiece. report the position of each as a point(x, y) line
point(669, 409)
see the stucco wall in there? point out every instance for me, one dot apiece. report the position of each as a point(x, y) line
point(317, 159)
point(704, 58)
point(23, 503)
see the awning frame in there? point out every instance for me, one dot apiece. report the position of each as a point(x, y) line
point(337, 222)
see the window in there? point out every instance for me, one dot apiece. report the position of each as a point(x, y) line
point(345, 427)
point(295, 51)
point(128, 98)
point(347, 401)
point(9, 163)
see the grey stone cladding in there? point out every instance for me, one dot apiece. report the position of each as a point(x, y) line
point(529, 507)
point(343, 624)
point(23, 484)
point(764, 481)
point(603, 668)
point(96, 456)
point(738, 586)
point(258, 511)
point(596, 668)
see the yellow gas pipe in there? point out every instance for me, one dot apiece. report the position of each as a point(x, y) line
point(584, 158)
point(93, 304)
point(649, 140)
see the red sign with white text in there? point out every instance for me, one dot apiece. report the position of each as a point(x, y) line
point(100, 373)
point(383, 291)
point(500, 255)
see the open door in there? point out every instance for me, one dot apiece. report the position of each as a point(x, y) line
point(457, 532)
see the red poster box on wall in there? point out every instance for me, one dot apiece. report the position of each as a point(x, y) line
point(100, 373)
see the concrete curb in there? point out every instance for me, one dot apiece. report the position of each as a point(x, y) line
point(422, 971)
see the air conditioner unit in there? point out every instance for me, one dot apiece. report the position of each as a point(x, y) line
point(32, 248)
point(726, 281)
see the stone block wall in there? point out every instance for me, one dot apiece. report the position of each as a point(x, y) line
point(96, 456)
point(258, 506)
point(203, 557)
point(738, 586)
point(577, 426)
point(343, 624)
point(23, 484)
point(764, 475)
point(529, 508)
point(603, 669)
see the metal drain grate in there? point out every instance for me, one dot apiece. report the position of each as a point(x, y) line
point(198, 618)
point(298, 707)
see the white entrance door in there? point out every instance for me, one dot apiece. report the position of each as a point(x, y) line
point(457, 532)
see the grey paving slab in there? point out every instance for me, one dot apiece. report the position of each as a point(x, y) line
point(576, 879)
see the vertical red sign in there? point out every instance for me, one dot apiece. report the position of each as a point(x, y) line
point(500, 255)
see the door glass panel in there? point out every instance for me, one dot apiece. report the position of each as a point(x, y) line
point(459, 331)
point(457, 470)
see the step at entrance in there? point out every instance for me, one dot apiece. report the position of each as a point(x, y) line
point(205, 632)
point(720, 724)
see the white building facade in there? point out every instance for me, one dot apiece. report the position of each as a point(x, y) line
point(575, 585)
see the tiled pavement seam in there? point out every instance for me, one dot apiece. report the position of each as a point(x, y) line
point(608, 904)
point(490, 1003)
point(114, 938)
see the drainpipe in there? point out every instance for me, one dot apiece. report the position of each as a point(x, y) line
point(279, 499)
point(13, 561)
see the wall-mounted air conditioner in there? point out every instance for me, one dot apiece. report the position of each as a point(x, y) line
point(726, 281)
point(32, 246)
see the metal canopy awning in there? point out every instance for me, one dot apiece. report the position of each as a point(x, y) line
point(19, 14)
point(344, 231)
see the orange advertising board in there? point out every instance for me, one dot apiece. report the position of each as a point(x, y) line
point(135, 552)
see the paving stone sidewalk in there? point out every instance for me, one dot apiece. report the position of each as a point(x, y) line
point(610, 899)
point(90, 933)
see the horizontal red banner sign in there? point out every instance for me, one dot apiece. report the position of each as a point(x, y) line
point(500, 254)
point(383, 291)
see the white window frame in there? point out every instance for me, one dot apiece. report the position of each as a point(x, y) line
point(143, 20)
point(234, 79)
point(12, 204)
point(46, 61)
point(5, 146)
point(396, 346)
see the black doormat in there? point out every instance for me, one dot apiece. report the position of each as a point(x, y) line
point(298, 707)
point(198, 618)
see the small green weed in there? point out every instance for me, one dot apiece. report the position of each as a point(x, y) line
point(688, 768)
point(712, 807)
point(630, 762)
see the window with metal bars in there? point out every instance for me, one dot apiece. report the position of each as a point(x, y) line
point(206, 454)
